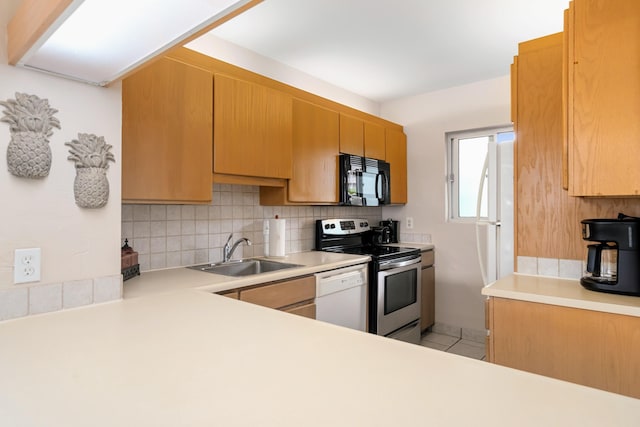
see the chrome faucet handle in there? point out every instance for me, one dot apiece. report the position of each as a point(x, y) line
point(227, 249)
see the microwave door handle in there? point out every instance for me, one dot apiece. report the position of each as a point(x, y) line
point(381, 184)
point(382, 195)
point(386, 187)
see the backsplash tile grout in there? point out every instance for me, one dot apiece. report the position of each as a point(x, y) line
point(550, 267)
point(179, 235)
point(26, 300)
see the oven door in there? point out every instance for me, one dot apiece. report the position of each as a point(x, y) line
point(398, 290)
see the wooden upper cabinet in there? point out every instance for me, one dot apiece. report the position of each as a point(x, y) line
point(351, 135)
point(252, 129)
point(316, 145)
point(396, 155)
point(604, 98)
point(374, 141)
point(167, 113)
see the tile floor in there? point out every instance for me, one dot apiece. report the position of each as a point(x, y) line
point(452, 344)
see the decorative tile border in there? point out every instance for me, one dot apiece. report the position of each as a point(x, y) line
point(21, 301)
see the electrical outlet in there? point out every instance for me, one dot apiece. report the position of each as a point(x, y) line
point(26, 266)
point(409, 223)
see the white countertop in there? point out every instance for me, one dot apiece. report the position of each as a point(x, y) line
point(563, 292)
point(174, 279)
point(192, 358)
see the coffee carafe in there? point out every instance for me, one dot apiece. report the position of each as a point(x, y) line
point(613, 263)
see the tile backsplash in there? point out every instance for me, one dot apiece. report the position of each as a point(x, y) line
point(551, 267)
point(38, 298)
point(179, 235)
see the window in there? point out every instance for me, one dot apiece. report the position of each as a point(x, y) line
point(466, 156)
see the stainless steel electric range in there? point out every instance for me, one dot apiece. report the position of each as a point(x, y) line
point(394, 276)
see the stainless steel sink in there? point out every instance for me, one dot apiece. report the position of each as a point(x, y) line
point(244, 267)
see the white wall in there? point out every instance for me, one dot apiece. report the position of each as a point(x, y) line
point(426, 118)
point(76, 243)
point(233, 54)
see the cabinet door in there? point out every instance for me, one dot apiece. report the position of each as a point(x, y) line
point(351, 135)
point(605, 92)
point(586, 347)
point(428, 290)
point(306, 310)
point(233, 294)
point(316, 147)
point(281, 294)
point(396, 155)
point(252, 129)
point(166, 134)
point(538, 122)
point(374, 141)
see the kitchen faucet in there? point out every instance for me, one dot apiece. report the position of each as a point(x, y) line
point(227, 251)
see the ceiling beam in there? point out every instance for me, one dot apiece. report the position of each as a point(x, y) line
point(32, 19)
point(194, 36)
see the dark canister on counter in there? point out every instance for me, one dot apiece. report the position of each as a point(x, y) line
point(394, 229)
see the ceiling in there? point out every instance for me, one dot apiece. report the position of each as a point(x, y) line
point(389, 49)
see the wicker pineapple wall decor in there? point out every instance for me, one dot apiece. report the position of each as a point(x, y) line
point(91, 155)
point(31, 121)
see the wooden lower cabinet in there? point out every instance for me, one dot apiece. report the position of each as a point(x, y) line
point(428, 291)
point(591, 348)
point(233, 294)
point(305, 310)
point(293, 296)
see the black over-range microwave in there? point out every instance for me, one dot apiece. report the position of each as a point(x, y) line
point(364, 181)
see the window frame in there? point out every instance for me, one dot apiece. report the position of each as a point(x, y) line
point(452, 188)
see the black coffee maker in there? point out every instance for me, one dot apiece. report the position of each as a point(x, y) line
point(394, 229)
point(613, 264)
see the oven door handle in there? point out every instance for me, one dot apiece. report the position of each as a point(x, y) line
point(391, 264)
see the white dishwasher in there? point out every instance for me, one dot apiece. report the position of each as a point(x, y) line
point(341, 297)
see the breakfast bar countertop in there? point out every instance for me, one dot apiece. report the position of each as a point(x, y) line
point(193, 358)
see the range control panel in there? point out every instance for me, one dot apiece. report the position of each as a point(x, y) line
point(342, 227)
